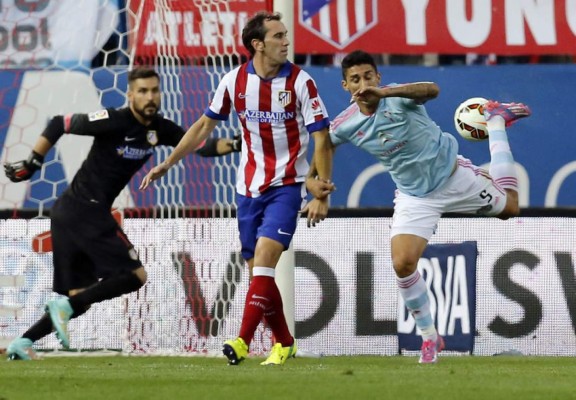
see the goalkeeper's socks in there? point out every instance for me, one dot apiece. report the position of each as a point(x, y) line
point(106, 289)
point(258, 299)
point(502, 168)
point(42, 327)
point(415, 294)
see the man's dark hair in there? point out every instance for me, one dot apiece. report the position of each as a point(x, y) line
point(255, 29)
point(357, 57)
point(142, 73)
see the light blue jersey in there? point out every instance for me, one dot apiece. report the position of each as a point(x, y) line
point(401, 135)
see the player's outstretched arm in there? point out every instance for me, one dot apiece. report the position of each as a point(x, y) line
point(214, 147)
point(195, 135)
point(418, 91)
point(23, 170)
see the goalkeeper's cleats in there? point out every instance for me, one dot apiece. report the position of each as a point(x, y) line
point(60, 312)
point(430, 350)
point(21, 349)
point(279, 355)
point(510, 112)
point(235, 350)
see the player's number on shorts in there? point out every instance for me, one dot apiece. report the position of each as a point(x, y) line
point(486, 196)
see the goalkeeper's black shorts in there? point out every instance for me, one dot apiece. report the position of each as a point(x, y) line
point(88, 245)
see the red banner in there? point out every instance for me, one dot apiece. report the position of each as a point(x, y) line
point(190, 29)
point(505, 27)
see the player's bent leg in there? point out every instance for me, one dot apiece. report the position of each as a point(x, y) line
point(62, 310)
point(406, 252)
point(109, 288)
point(512, 208)
point(268, 252)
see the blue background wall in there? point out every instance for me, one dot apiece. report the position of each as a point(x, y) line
point(543, 144)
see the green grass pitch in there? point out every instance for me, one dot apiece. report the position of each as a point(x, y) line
point(334, 378)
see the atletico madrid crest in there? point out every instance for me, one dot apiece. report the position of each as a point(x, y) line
point(152, 137)
point(284, 97)
point(339, 22)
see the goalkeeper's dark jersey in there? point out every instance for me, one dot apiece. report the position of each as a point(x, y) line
point(121, 146)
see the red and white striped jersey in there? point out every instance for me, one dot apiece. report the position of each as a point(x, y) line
point(277, 117)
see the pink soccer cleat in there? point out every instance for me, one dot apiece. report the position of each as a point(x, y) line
point(430, 350)
point(509, 111)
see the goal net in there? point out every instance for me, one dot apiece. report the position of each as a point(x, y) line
point(65, 56)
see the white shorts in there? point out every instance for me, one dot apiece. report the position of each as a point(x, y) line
point(469, 190)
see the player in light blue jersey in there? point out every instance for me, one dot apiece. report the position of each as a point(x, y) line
point(391, 123)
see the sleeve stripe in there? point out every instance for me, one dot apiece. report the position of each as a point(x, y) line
point(67, 123)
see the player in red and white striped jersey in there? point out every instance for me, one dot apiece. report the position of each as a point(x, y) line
point(277, 117)
point(279, 109)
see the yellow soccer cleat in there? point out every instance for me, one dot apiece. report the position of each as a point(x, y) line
point(235, 350)
point(279, 355)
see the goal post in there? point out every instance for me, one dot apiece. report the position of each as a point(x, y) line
point(286, 265)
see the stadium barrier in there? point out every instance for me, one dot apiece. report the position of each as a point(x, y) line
point(346, 300)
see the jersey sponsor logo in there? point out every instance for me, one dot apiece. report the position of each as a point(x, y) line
point(266, 116)
point(132, 153)
point(98, 115)
point(393, 149)
point(284, 97)
point(152, 137)
point(316, 107)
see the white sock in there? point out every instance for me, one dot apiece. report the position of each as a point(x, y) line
point(415, 294)
point(502, 167)
point(264, 271)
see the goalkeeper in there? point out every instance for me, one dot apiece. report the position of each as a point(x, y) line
point(93, 259)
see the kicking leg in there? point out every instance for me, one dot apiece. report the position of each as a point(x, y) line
point(502, 169)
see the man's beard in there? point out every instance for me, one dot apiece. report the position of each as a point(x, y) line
point(147, 116)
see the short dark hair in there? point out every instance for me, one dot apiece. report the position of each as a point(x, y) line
point(142, 73)
point(255, 29)
point(357, 57)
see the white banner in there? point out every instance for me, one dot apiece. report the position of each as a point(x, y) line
point(43, 33)
point(346, 296)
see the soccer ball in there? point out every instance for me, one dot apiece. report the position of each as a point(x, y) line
point(469, 119)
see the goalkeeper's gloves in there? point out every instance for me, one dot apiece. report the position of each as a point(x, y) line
point(23, 170)
point(236, 143)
